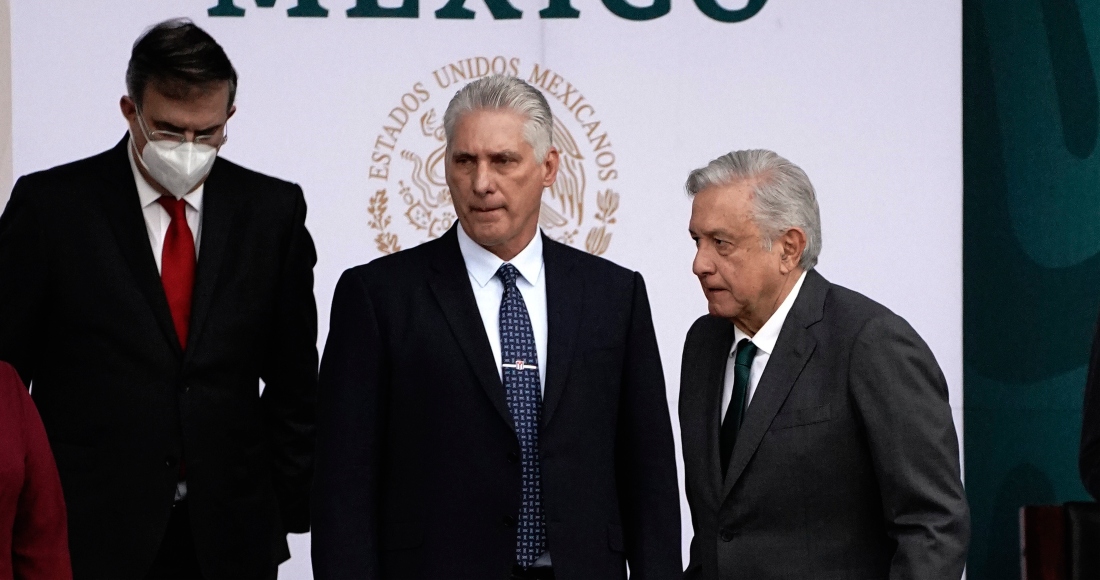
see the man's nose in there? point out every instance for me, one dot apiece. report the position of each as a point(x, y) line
point(702, 264)
point(483, 181)
point(189, 136)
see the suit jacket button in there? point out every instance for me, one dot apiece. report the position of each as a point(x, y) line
point(513, 457)
point(727, 535)
point(170, 461)
point(508, 521)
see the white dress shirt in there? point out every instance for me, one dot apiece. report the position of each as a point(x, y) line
point(157, 218)
point(764, 340)
point(482, 266)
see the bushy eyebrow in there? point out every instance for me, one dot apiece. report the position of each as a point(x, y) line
point(496, 156)
point(165, 126)
point(712, 233)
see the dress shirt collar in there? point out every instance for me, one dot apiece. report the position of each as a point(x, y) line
point(768, 334)
point(483, 264)
point(149, 196)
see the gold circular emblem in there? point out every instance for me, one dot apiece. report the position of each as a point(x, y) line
point(411, 203)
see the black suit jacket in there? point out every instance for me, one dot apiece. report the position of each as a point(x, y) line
point(1089, 458)
point(84, 316)
point(847, 462)
point(417, 458)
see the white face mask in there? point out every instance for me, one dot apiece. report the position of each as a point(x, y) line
point(177, 167)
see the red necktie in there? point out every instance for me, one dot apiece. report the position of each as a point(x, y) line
point(177, 265)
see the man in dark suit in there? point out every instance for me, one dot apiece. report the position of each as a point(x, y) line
point(818, 439)
point(491, 403)
point(146, 292)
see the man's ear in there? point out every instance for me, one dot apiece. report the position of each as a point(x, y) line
point(128, 107)
point(550, 163)
point(791, 245)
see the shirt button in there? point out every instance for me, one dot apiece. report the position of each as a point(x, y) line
point(508, 521)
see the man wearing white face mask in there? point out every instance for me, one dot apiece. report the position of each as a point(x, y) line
point(170, 160)
point(145, 293)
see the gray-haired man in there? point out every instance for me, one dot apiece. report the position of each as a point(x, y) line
point(491, 403)
point(818, 440)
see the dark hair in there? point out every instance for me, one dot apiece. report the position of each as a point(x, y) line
point(179, 58)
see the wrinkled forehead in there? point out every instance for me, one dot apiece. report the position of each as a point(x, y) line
point(178, 91)
point(196, 111)
point(489, 130)
point(722, 208)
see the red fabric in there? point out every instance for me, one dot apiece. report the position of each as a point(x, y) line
point(34, 541)
point(177, 265)
point(177, 273)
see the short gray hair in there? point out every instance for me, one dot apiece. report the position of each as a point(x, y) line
point(501, 92)
point(783, 196)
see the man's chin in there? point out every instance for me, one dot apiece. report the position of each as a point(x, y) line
point(486, 236)
point(720, 310)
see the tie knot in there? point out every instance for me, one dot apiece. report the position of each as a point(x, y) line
point(745, 351)
point(174, 207)
point(507, 274)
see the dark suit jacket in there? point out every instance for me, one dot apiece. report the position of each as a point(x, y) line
point(1090, 429)
point(417, 458)
point(84, 316)
point(847, 463)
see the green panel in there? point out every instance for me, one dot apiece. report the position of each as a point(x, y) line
point(1021, 449)
point(1031, 229)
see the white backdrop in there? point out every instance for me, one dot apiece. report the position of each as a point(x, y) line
point(5, 102)
point(865, 96)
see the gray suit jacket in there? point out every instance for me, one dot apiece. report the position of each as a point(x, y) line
point(847, 463)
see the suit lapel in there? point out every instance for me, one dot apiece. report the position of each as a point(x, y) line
point(451, 285)
point(219, 205)
point(123, 209)
point(564, 307)
point(792, 352)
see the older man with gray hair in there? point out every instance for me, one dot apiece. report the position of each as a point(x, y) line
point(491, 403)
point(818, 439)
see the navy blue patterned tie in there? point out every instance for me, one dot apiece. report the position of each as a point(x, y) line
point(520, 369)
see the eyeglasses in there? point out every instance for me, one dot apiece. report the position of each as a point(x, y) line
point(176, 139)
